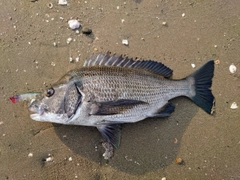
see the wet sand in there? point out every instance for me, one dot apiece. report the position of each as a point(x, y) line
point(194, 33)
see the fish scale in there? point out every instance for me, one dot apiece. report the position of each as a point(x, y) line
point(133, 85)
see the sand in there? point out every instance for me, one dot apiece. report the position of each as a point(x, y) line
point(35, 53)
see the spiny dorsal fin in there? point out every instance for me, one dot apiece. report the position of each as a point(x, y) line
point(119, 61)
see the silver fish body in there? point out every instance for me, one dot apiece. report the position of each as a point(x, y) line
point(111, 90)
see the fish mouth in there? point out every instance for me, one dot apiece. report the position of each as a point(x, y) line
point(36, 109)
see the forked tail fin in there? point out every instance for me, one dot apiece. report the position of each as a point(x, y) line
point(201, 82)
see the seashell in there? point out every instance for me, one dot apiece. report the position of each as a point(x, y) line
point(234, 105)
point(232, 68)
point(74, 24)
point(50, 5)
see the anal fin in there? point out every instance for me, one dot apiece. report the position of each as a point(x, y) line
point(166, 111)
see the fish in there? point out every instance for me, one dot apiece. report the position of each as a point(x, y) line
point(111, 90)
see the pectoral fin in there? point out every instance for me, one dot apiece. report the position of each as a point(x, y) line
point(114, 107)
point(112, 133)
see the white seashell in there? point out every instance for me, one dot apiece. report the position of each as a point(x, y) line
point(232, 68)
point(74, 24)
point(125, 42)
point(234, 105)
point(62, 2)
point(193, 65)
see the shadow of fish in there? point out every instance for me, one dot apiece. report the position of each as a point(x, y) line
point(111, 90)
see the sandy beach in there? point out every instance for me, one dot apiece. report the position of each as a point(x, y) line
point(38, 48)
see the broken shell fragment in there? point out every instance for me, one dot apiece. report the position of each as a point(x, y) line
point(193, 65)
point(164, 23)
point(125, 42)
point(69, 40)
point(74, 24)
point(234, 105)
point(232, 68)
point(108, 150)
point(62, 2)
point(217, 61)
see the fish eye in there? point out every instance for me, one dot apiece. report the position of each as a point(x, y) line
point(50, 92)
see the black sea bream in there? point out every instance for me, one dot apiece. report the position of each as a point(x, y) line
point(111, 90)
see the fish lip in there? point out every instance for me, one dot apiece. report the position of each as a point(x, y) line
point(36, 110)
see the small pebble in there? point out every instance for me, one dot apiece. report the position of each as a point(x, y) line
point(234, 105)
point(70, 158)
point(232, 68)
point(86, 30)
point(30, 155)
point(179, 161)
point(183, 14)
point(164, 178)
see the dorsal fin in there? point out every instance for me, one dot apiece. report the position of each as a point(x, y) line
point(119, 61)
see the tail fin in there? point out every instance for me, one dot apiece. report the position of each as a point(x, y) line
point(201, 81)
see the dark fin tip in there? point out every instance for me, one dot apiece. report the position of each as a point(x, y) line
point(166, 111)
point(203, 82)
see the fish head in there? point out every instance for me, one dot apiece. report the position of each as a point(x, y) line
point(57, 104)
